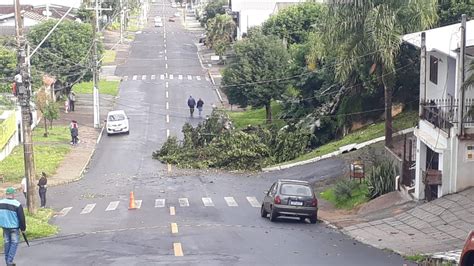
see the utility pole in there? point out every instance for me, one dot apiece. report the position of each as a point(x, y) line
point(461, 75)
point(422, 73)
point(96, 68)
point(22, 80)
point(122, 19)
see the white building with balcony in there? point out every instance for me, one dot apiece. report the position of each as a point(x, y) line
point(445, 132)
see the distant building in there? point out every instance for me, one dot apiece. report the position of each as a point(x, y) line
point(32, 15)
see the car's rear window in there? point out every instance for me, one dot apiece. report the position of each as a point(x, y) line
point(116, 117)
point(296, 190)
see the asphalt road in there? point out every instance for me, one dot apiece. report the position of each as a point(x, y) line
point(184, 217)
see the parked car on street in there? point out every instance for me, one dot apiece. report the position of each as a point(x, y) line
point(171, 19)
point(158, 24)
point(173, 5)
point(290, 198)
point(467, 255)
point(157, 19)
point(117, 122)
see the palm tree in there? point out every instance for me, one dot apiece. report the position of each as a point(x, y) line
point(220, 32)
point(361, 31)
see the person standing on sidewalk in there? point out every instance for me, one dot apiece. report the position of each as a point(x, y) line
point(74, 133)
point(199, 105)
point(24, 186)
point(191, 105)
point(72, 100)
point(12, 220)
point(42, 184)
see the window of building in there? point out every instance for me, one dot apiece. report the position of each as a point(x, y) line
point(434, 69)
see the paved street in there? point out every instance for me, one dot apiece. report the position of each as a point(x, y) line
point(183, 217)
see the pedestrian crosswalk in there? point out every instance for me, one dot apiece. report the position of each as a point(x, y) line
point(229, 201)
point(163, 77)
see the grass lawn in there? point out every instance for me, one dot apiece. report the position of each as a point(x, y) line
point(109, 56)
point(48, 153)
point(256, 116)
point(400, 122)
point(105, 87)
point(358, 196)
point(37, 226)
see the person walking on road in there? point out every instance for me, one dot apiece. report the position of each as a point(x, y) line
point(42, 184)
point(12, 220)
point(199, 105)
point(72, 100)
point(74, 133)
point(24, 187)
point(191, 105)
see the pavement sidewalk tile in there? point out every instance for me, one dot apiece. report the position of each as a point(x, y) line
point(446, 203)
point(434, 209)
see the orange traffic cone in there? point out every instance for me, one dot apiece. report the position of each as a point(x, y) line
point(131, 205)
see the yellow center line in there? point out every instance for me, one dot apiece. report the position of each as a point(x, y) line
point(174, 228)
point(178, 250)
point(172, 211)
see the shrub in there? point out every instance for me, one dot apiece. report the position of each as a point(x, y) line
point(381, 179)
point(343, 190)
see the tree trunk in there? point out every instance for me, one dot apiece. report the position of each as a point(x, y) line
point(388, 111)
point(45, 127)
point(268, 109)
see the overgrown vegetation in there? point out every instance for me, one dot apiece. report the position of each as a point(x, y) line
point(381, 179)
point(346, 194)
point(214, 143)
point(256, 117)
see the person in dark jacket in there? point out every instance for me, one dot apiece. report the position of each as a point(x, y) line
point(12, 220)
point(191, 105)
point(42, 184)
point(74, 133)
point(199, 105)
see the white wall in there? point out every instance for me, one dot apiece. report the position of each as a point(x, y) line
point(440, 90)
point(465, 168)
point(27, 22)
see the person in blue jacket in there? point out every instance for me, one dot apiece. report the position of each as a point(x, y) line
point(12, 220)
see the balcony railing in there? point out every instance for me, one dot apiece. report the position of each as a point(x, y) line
point(442, 113)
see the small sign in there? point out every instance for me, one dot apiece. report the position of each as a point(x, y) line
point(470, 153)
point(214, 58)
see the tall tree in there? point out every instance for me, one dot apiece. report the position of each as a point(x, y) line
point(212, 9)
point(359, 30)
point(66, 53)
point(7, 68)
point(255, 77)
point(220, 33)
point(294, 23)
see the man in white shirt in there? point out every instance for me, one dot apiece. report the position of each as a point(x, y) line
point(23, 186)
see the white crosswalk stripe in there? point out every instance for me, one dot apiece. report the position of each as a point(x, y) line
point(143, 77)
point(254, 202)
point(125, 78)
point(183, 202)
point(159, 203)
point(112, 206)
point(190, 77)
point(231, 201)
point(198, 77)
point(153, 77)
point(63, 212)
point(180, 76)
point(207, 202)
point(171, 76)
point(134, 77)
point(162, 76)
point(88, 208)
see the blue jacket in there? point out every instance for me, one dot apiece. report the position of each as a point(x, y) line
point(11, 214)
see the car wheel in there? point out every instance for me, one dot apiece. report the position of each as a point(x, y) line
point(108, 134)
point(263, 212)
point(273, 215)
point(128, 132)
point(302, 219)
point(314, 219)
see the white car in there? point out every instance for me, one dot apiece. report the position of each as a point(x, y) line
point(177, 14)
point(158, 24)
point(174, 5)
point(157, 19)
point(117, 122)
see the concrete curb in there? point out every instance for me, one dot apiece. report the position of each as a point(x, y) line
point(335, 153)
point(216, 87)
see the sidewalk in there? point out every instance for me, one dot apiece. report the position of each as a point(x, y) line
point(437, 229)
